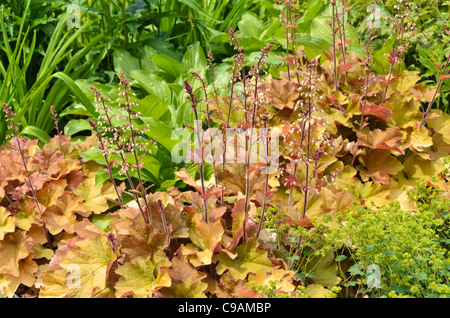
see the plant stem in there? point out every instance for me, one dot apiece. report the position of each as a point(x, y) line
point(120, 149)
point(308, 148)
point(108, 163)
point(266, 184)
point(250, 142)
point(149, 215)
point(334, 46)
point(435, 93)
point(194, 102)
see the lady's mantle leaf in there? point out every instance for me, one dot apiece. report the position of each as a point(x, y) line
point(141, 278)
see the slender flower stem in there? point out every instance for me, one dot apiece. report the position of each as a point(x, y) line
point(10, 117)
point(194, 102)
point(209, 125)
point(250, 143)
point(138, 169)
point(308, 148)
point(266, 184)
point(334, 46)
point(435, 93)
point(163, 217)
point(108, 163)
point(120, 149)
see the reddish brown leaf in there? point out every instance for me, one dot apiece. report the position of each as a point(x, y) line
point(328, 55)
point(380, 112)
point(344, 67)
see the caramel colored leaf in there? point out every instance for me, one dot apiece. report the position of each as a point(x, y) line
point(387, 139)
point(49, 194)
point(380, 112)
point(95, 196)
point(205, 237)
point(61, 216)
point(250, 259)
point(13, 248)
point(79, 269)
point(379, 165)
point(7, 224)
point(187, 282)
point(281, 93)
point(141, 278)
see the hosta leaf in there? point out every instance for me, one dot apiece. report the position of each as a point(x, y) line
point(250, 259)
point(141, 278)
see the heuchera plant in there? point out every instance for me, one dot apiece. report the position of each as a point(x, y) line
point(346, 135)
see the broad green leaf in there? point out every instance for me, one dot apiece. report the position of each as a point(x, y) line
point(125, 62)
point(152, 106)
point(76, 125)
point(250, 26)
point(77, 92)
point(35, 132)
point(194, 59)
point(160, 131)
point(153, 84)
point(168, 65)
point(102, 220)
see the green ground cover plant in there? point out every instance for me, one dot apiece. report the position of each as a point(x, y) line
point(337, 188)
